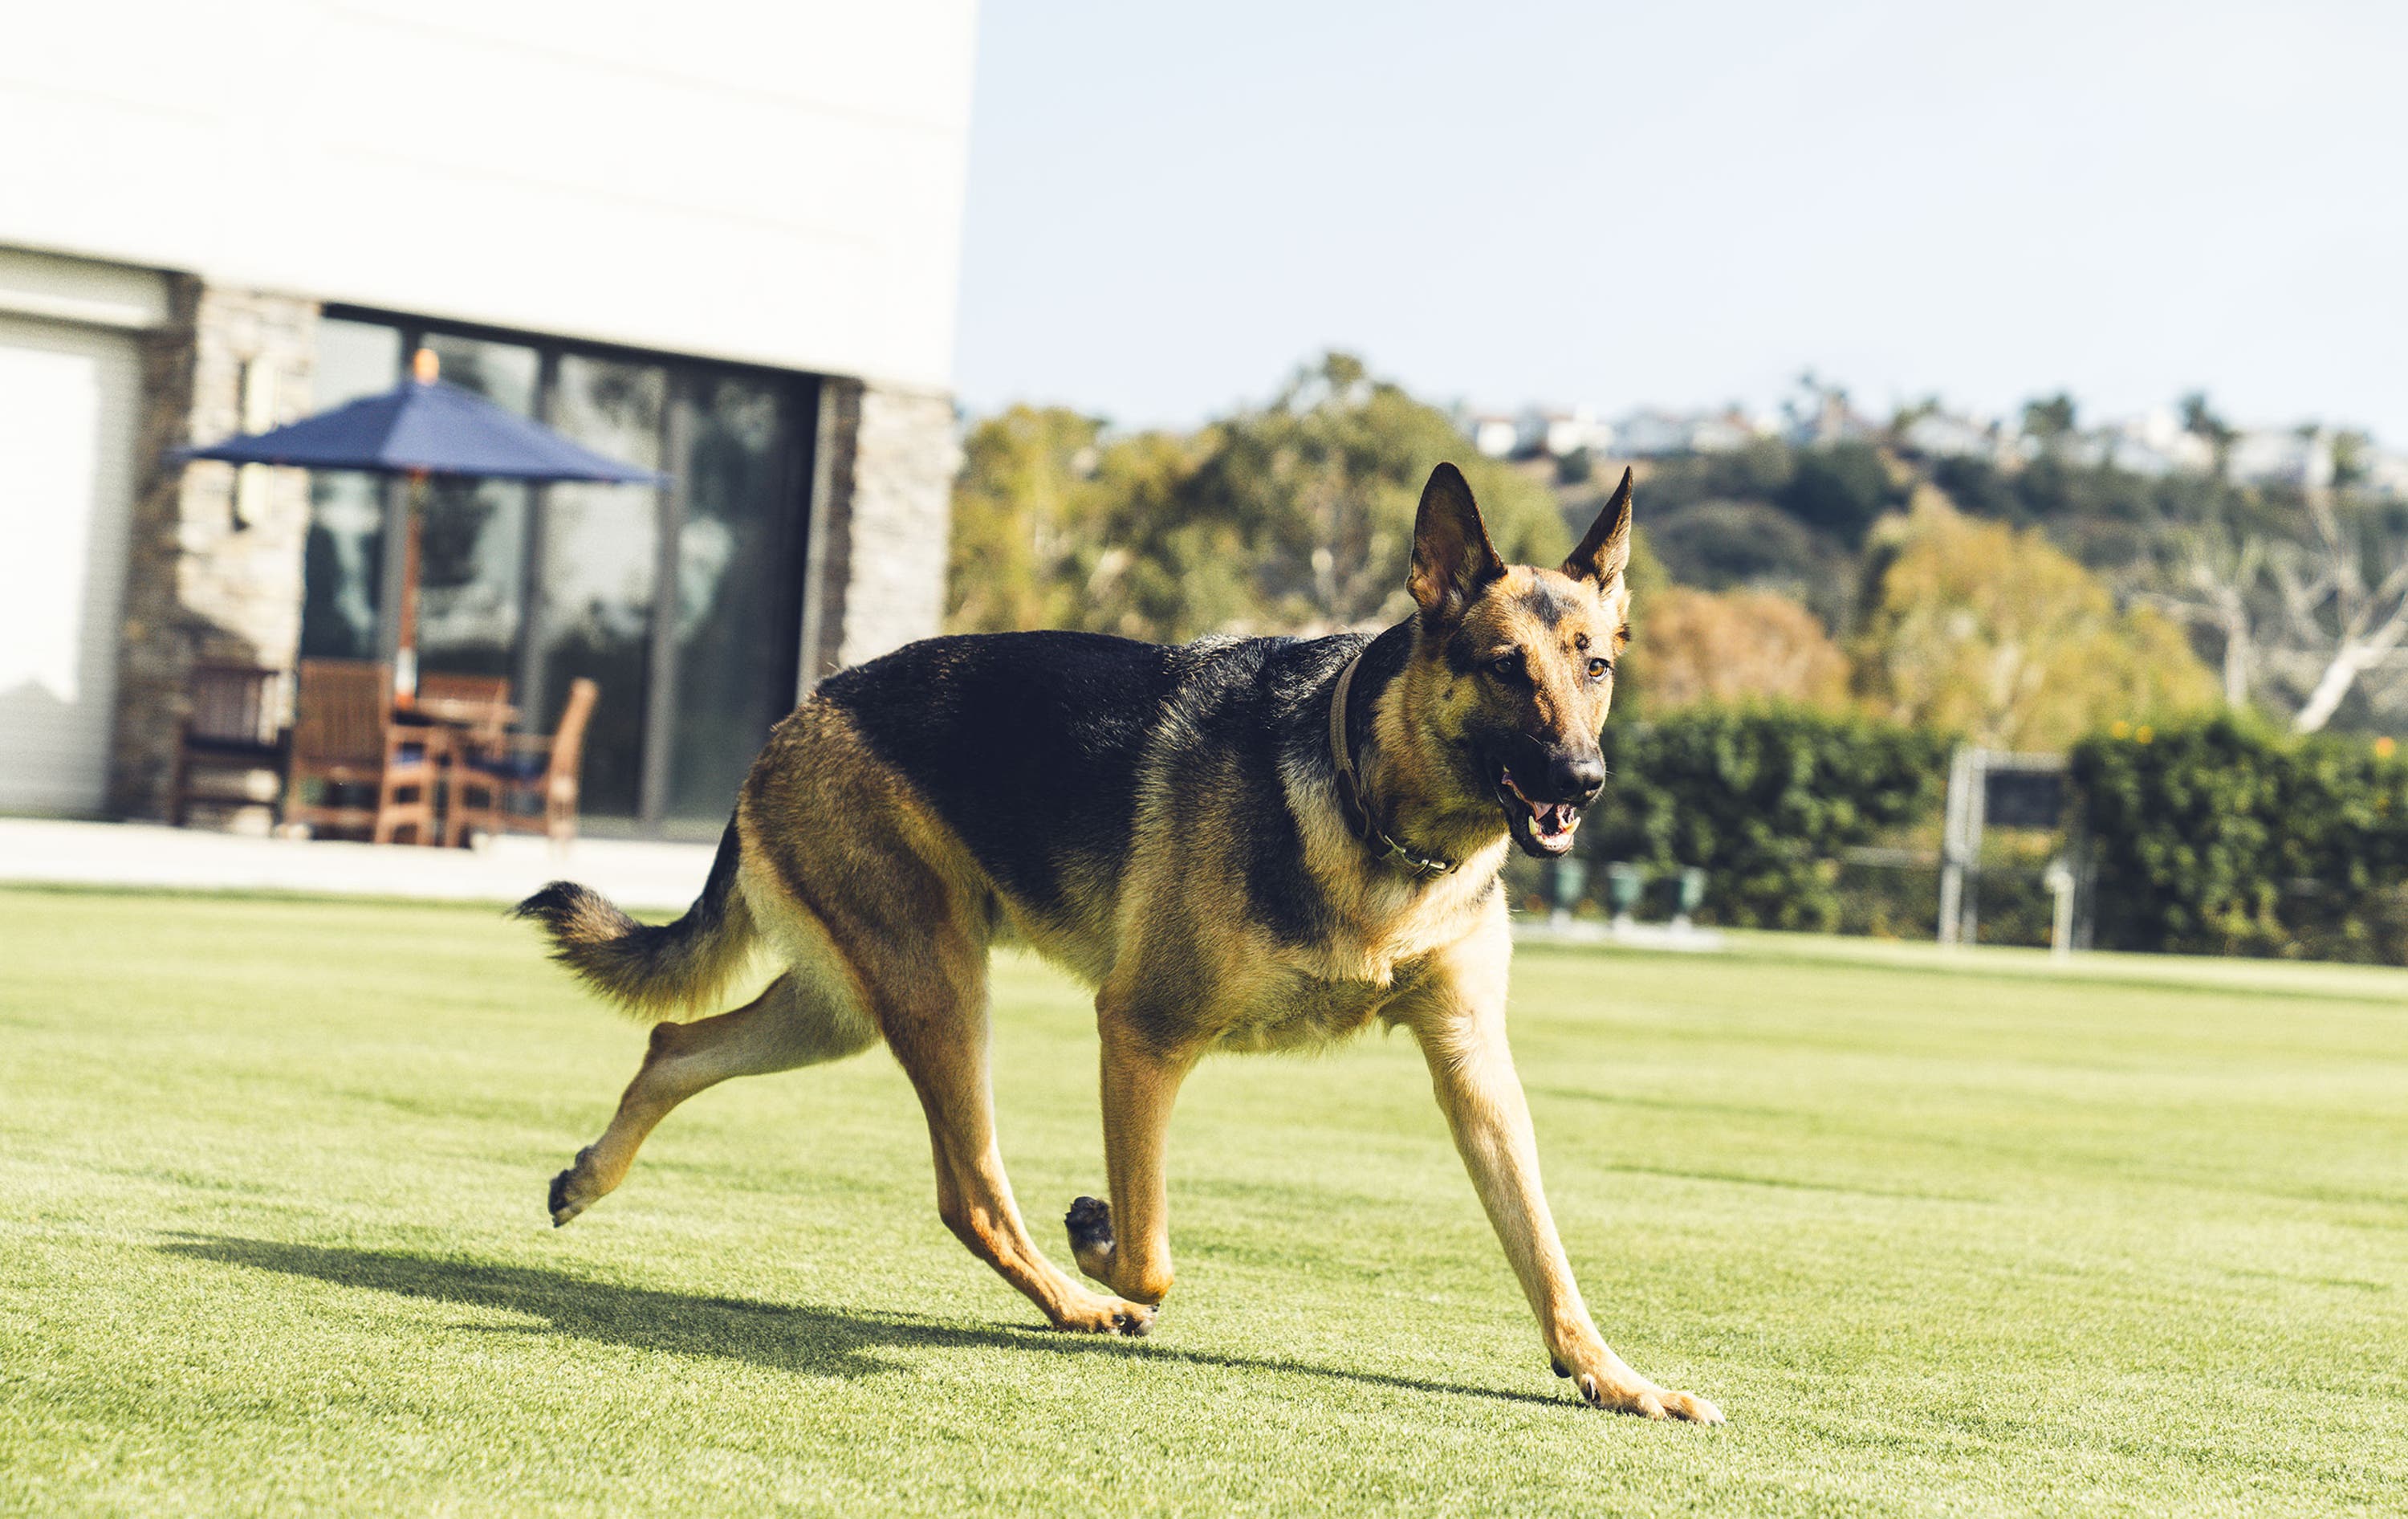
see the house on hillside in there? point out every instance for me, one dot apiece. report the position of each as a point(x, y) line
point(719, 240)
point(1558, 434)
point(1650, 434)
point(2300, 456)
point(1944, 434)
point(1819, 414)
point(2156, 443)
point(2387, 475)
point(1495, 434)
point(2153, 444)
point(1538, 432)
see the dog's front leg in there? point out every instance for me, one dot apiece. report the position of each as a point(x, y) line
point(1126, 1245)
point(1462, 1034)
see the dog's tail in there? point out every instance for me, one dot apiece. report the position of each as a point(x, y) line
point(651, 971)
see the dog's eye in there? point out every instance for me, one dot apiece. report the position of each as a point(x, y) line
point(1597, 668)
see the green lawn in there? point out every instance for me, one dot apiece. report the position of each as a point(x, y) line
point(1970, 1238)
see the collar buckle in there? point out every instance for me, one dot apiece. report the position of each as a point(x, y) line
point(1396, 849)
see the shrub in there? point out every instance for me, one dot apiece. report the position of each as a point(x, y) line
point(1764, 799)
point(2222, 837)
point(1839, 487)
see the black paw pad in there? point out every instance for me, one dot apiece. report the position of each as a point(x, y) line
point(1090, 1223)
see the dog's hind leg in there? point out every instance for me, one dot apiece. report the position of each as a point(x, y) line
point(800, 1021)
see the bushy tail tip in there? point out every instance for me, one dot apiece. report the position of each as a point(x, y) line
point(648, 970)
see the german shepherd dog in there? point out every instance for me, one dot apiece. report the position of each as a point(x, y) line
point(1256, 844)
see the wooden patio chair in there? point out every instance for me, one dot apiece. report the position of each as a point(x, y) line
point(481, 702)
point(232, 728)
point(488, 785)
point(344, 735)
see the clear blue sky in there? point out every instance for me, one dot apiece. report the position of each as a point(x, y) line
point(1169, 205)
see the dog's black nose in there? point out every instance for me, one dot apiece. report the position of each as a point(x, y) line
point(1576, 777)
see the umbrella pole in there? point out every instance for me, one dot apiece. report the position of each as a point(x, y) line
point(405, 658)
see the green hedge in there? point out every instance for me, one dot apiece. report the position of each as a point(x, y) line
point(2223, 837)
point(1765, 799)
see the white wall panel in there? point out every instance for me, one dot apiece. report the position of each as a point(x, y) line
point(779, 183)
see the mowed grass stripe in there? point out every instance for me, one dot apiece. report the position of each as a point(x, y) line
point(1962, 1238)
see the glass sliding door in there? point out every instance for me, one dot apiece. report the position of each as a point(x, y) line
point(739, 584)
point(682, 603)
point(598, 571)
point(472, 533)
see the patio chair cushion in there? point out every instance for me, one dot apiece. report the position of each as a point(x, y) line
point(522, 766)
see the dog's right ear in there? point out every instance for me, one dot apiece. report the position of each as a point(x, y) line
point(1451, 555)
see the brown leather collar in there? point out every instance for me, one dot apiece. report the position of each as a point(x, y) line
point(1353, 804)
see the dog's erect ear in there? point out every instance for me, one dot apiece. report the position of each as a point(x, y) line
point(1606, 551)
point(1451, 555)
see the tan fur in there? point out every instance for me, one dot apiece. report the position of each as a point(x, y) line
point(882, 921)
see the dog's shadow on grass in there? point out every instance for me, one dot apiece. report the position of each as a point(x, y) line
point(814, 1342)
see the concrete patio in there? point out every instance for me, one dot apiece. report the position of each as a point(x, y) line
point(638, 875)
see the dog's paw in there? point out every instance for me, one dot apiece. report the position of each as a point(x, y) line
point(1605, 1380)
point(567, 1198)
point(1636, 1395)
point(1098, 1315)
point(1090, 1223)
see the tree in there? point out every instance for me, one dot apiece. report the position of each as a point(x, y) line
point(2304, 594)
point(1978, 627)
point(1321, 485)
point(2201, 421)
point(1019, 505)
point(1293, 517)
point(2049, 419)
point(1734, 646)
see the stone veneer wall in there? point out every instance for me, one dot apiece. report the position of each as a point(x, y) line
point(888, 461)
point(205, 582)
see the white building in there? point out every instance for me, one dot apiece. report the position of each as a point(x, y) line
point(1561, 434)
point(2282, 456)
point(1651, 434)
point(1495, 435)
point(2387, 475)
point(1942, 435)
point(1537, 432)
point(715, 238)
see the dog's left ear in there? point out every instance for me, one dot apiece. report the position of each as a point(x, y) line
point(1451, 555)
point(1606, 551)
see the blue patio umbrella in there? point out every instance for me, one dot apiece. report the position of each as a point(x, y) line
point(425, 426)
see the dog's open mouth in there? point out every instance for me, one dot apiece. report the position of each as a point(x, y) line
point(1540, 828)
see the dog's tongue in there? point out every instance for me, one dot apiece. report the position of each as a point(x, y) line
point(1549, 820)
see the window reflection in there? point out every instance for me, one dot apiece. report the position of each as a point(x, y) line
point(343, 561)
point(600, 546)
point(736, 588)
point(472, 533)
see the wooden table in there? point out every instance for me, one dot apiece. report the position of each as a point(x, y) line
point(468, 716)
point(452, 724)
